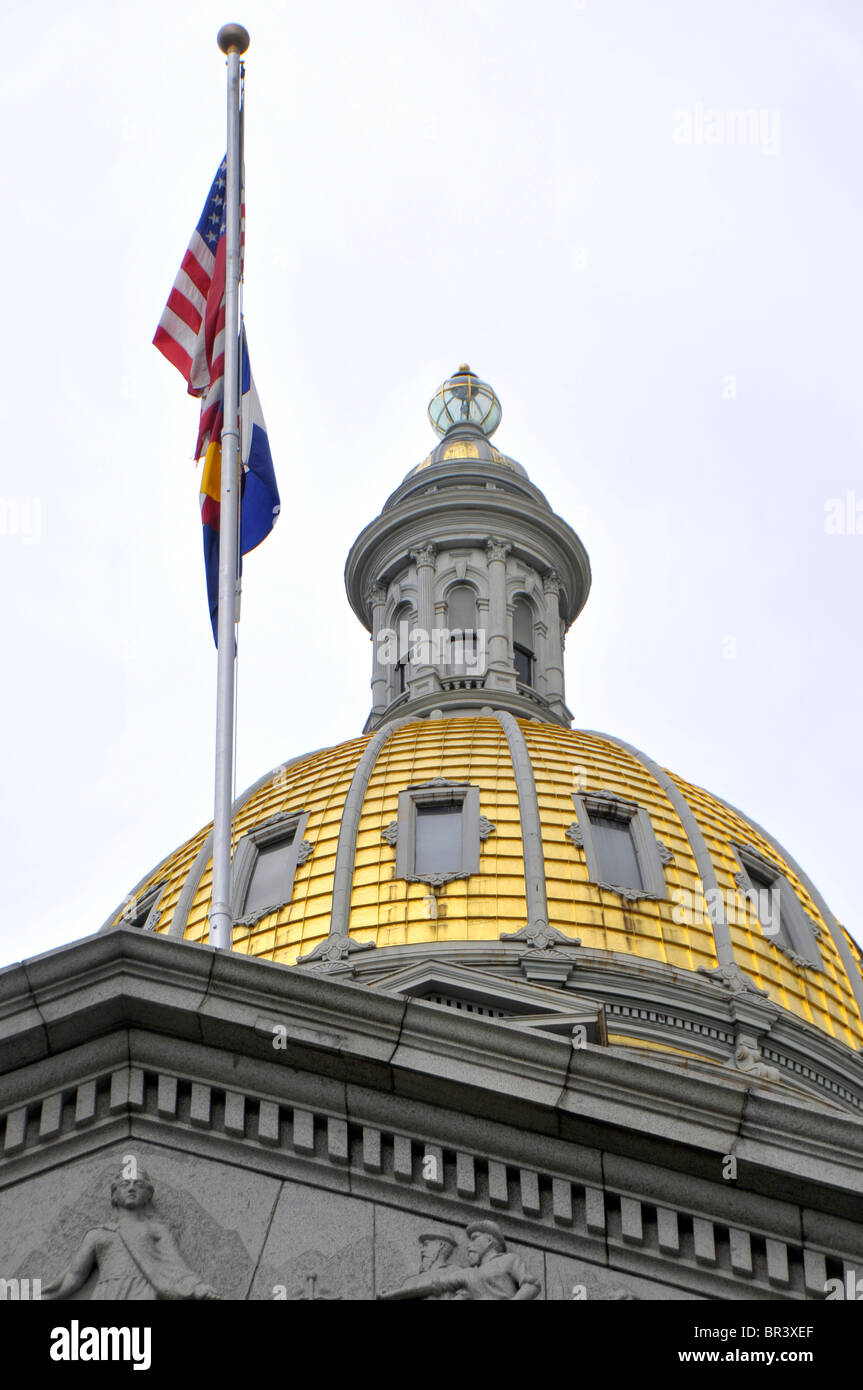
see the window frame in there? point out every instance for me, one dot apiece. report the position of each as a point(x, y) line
point(522, 600)
point(402, 833)
point(402, 670)
point(461, 668)
point(265, 836)
point(143, 913)
point(801, 931)
point(650, 853)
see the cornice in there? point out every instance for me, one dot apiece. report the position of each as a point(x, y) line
point(447, 474)
point(574, 1151)
point(466, 516)
point(340, 1029)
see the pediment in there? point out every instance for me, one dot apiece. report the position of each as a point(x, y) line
point(481, 994)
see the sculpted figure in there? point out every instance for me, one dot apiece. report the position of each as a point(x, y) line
point(493, 1273)
point(436, 1251)
point(135, 1254)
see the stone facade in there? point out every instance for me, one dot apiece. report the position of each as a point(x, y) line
point(307, 1136)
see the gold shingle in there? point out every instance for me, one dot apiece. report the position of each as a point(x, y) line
point(391, 912)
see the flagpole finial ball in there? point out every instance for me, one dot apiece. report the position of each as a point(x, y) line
point(233, 38)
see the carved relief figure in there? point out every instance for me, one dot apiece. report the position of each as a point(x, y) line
point(436, 1251)
point(136, 1256)
point(493, 1273)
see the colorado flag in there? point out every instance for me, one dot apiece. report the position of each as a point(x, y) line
point(259, 495)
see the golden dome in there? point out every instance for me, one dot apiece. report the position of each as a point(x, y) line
point(473, 850)
point(698, 833)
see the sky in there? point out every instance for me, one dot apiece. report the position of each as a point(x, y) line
point(640, 223)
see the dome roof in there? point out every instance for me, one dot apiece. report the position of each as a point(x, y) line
point(537, 783)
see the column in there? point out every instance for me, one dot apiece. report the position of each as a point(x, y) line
point(376, 599)
point(553, 642)
point(501, 673)
point(424, 678)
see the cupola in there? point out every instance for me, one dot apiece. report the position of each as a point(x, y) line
point(467, 580)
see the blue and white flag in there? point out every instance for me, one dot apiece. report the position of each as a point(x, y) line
point(260, 498)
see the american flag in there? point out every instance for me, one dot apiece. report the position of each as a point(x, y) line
point(191, 332)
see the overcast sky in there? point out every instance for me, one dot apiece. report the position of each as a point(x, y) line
point(667, 300)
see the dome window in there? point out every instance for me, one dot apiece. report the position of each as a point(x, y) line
point(438, 832)
point(143, 912)
point(777, 907)
point(523, 642)
point(462, 626)
point(403, 623)
point(616, 850)
point(621, 849)
point(265, 862)
point(438, 838)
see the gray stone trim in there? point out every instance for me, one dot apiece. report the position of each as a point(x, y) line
point(179, 994)
point(346, 853)
point(647, 849)
point(733, 978)
point(698, 845)
point(799, 1068)
point(401, 833)
point(531, 829)
point(188, 892)
point(111, 920)
point(514, 1000)
point(567, 1191)
point(705, 1240)
point(704, 1032)
point(269, 832)
point(539, 936)
point(651, 1002)
point(461, 516)
point(464, 696)
point(802, 947)
point(146, 908)
point(65, 1015)
point(855, 974)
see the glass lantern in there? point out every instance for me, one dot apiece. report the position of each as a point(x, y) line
point(465, 400)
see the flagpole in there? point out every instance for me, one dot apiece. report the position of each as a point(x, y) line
point(233, 40)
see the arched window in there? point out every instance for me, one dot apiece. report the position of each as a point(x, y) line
point(403, 623)
point(462, 624)
point(523, 641)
